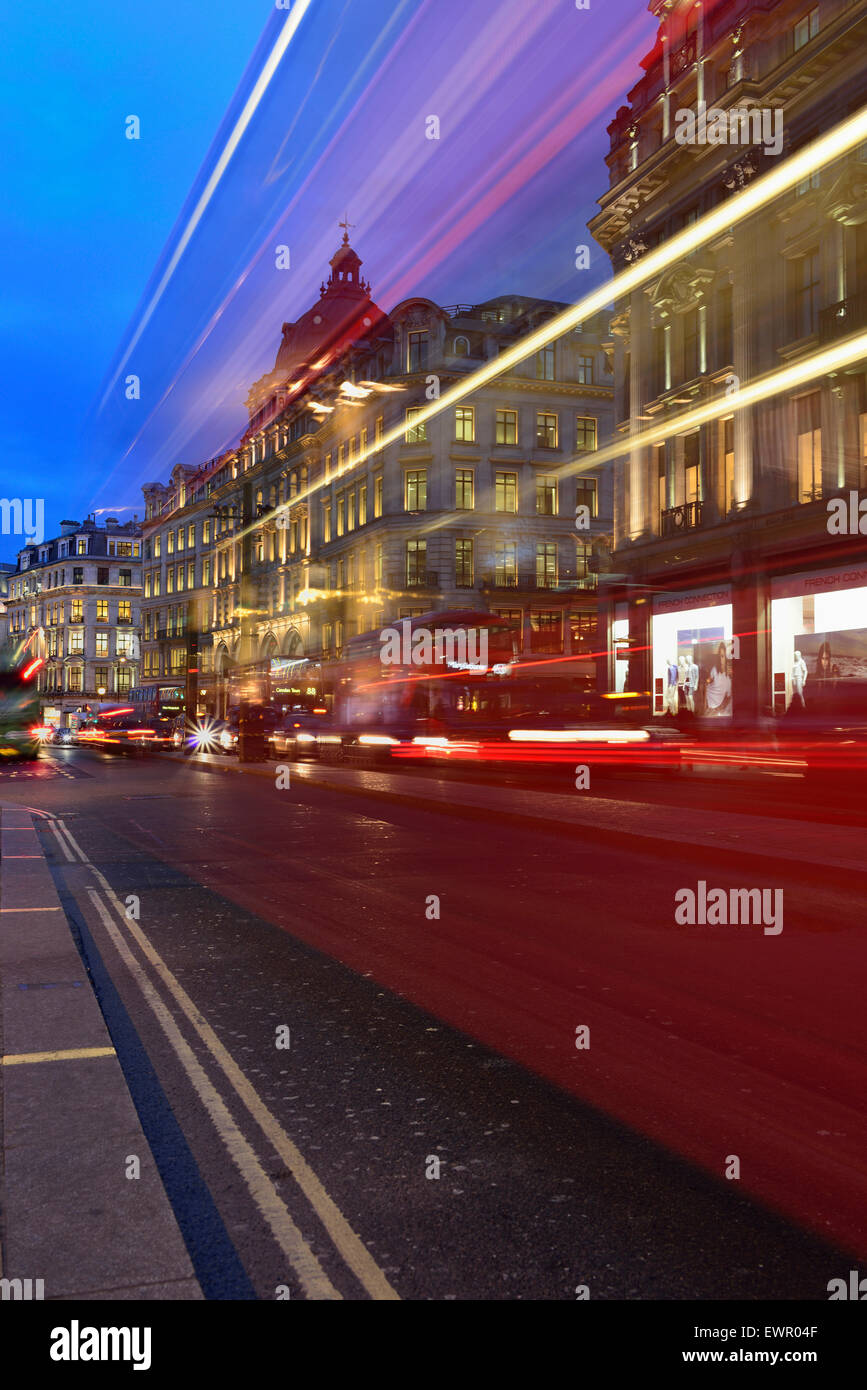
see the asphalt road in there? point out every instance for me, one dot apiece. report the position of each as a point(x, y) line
point(420, 1043)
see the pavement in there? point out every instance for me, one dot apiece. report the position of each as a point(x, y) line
point(82, 1205)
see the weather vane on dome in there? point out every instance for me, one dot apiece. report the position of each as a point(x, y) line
point(346, 224)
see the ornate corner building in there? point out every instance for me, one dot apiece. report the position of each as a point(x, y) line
point(339, 512)
point(721, 530)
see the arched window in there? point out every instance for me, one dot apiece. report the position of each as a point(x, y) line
point(462, 347)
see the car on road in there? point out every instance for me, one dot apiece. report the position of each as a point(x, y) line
point(65, 738)
point(298, 735)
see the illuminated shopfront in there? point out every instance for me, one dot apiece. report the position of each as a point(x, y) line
point(693, 653)
point(818, 633)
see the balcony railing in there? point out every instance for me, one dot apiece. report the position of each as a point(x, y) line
point(846, 316)
point(423, 579)
point(530, 580)
point(683, 518)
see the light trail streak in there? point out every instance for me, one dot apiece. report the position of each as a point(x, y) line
point(827, 148)
point(272, 62)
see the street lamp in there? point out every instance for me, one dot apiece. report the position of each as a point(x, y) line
point(101, 690)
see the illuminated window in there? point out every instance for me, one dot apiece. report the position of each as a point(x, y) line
point(170, 542)
point(465, 423)
point(546, 564)
point(546, 430)
point(379, 428)
point(414, 434)
point(464, 489)
point(585, 433)
point(341, 520)
point(76, 611)
point(101, 644)
point(362, 505)
point(506, 564)
point(415, 490)
point(728, 463)
point(416, 562)
point(326, 521)
point(191, 536)
point(809, 437)
point(507, 427)
point(377, 495)
point(463, 564)
point(102, 610)
point(506, 492)
point(124, 611)
point(546, 495)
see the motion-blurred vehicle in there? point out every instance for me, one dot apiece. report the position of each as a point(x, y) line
point(20, 714)
point(120, 730)
point(298, 735)
point(65, 738)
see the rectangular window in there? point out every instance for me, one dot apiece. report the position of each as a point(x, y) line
point(124, 643)
point(804, 285)
point(506, 564)
point(76, 643)
point(416, 562)
point(102, 574)
point(124, 578)
point(586, 494)
point(546, 495)
point(206, 571)
point(191, 536)
point(124, 611)
point(545, 363)
point(74, 679)
point(158, 547)
point(379, 430)
point(690, 344)
point(124, 680)
point(341, 518)
point(102, 610)
point(180, 538)
point(377, 495)
point(364, 435)
point(415, 491)
point(806, 29)
point(507, 427)
point(416, 351)
point(691, 468)
point(147, 585)
point(464, 489)
point(414, 434)
point(350, 510)
point(463, 564)
point(206, 532)
point(728, 463)
point(191, 574)
point(170, 580)
point(76, 611)
point(341, 453)
point(81, 547)
point(362, 505)
point(809, 437)
point(546, 430)
point(584, 375)
point(101, 644)
point(377, 567)
point(506, 492)
point(582, 631)
point(546, 564)
point(326, 521)
point(157, 582)
point(78, 574)
point(546, 631)
point(465, 424)
point(100, 677)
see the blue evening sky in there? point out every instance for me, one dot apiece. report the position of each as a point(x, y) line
point(523, 90)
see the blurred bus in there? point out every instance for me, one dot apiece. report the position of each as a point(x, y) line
point(20, 711)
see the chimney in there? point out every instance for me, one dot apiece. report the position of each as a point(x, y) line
point(68, 528)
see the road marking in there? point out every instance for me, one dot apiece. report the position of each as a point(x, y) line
point(71, 1054)
point(349, 1245)
point(314, 1280)
point(63, 845)
point(30, 909)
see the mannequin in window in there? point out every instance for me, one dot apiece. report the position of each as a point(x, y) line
point(799, 680)
point(718, 689)
point(682, 680)
point(671, 685)
point(692, 678)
